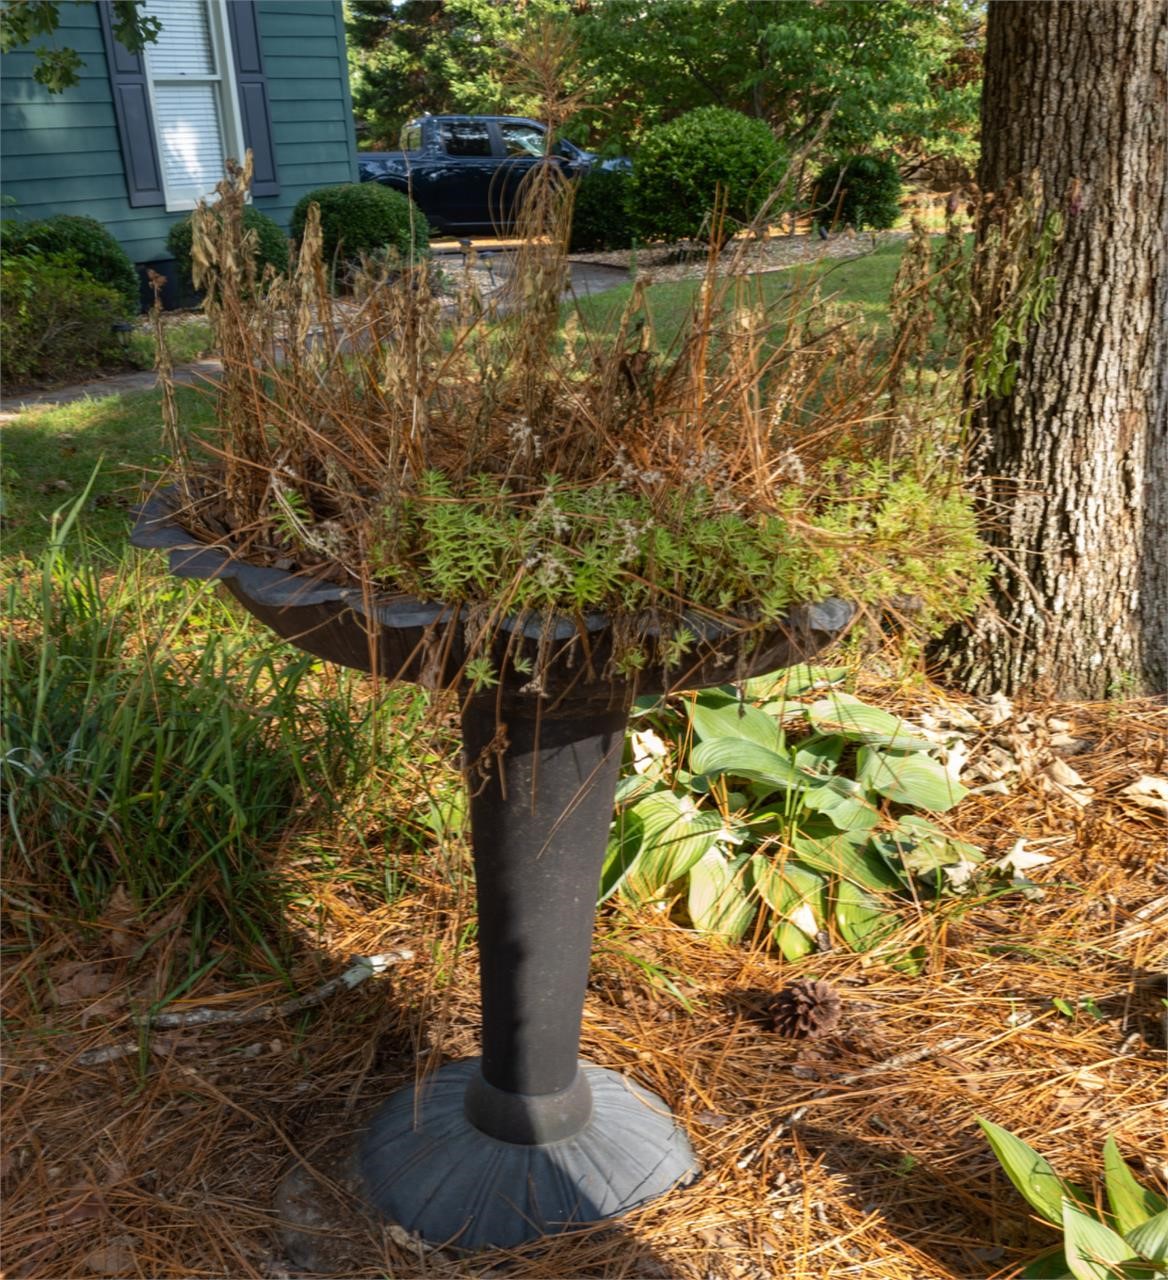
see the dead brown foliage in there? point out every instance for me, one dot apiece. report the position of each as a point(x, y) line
point(853, 1155)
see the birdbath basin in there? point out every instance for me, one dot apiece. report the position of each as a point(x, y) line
point(526, 1140)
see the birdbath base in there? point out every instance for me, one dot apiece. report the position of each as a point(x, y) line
point(425, 1166)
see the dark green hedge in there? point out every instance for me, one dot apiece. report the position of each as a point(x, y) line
point(364, 218)
point(83, 239)
point(680, 166)
point(271, 244)
point(859, 191)
point(600, 214)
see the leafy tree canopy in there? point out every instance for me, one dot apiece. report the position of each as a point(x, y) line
point(901, 74)
point(59, 68)
point(887, 72)
point(411, 56)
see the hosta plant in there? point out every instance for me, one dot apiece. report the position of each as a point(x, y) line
point(789, 804)
point(1126, 1241)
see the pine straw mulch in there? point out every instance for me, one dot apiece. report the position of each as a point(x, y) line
point(855, 1155)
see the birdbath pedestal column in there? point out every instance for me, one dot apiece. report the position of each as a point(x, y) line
point(527, 1140)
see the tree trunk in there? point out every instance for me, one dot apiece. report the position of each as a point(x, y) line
point(1073, 464)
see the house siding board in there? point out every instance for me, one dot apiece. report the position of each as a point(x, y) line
point(63, 155)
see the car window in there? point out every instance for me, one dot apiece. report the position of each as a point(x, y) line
point(522, 139)
point(465, 138)
point(411, 138)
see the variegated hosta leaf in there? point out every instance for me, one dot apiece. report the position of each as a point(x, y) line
point(861, 918)
point(743, 759)
point(842, 713)
point(714, 717)
point(915, 780)
point(844, 802)
point(655, 842)
point(838, 854)
point(718, 901)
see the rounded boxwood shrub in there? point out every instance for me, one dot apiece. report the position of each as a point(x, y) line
point(271, 244)
point(680, 166)
point(866, 195)
point(600, 214)
point(84, 240)
point(364, 218)
point(57, 320)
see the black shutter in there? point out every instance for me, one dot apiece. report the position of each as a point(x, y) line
point(253, 95)
point(127, 74)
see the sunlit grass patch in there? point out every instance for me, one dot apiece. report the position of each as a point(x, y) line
point(50, 454)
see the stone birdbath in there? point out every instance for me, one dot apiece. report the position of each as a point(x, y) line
point(527, 1140)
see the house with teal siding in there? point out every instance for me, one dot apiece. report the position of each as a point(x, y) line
point(143, 136)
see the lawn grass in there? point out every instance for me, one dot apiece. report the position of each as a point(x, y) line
point(50, 454)
point(188, 337)
point(863, 283)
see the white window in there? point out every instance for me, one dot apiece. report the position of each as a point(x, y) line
point(193, 97)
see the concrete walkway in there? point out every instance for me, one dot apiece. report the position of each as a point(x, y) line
point(587, 278)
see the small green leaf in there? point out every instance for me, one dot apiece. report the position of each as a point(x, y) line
point(916, 780)
point(787, 887)
point(743, 759)
point(792, 941)
point(1034, 1177)
point(717, 901)
point(1063, 1007)
point(1150, 1238)
point(841, 713)
point(1092, 1248)
point(633, 786)
point(1131, 1204)
point(1048, 1266)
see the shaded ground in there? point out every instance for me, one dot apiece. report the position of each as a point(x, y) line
point(855, 1155)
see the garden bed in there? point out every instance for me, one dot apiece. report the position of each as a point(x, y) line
point(854, 1154)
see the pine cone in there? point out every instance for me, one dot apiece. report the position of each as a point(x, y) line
point(805, 1010)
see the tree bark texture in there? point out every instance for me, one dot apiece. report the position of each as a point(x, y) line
point(1074, 462)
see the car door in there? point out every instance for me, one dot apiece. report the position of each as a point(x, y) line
point(459, 172)
point(521, 145)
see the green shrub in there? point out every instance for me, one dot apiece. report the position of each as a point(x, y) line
point(271, 244)
point(87, 241)
point(364, 218)
point(681, 166)
point(867, 195)
point(57, 320)
point(600, 215)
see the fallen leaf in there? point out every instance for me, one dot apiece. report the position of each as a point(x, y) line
point(114, 1258)
point(1148, 792)
point(121, 915)
point(76, 983)
point(1059, 776)
point(1017, 862)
